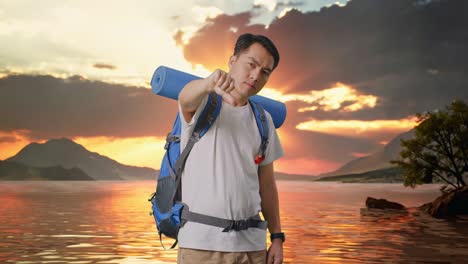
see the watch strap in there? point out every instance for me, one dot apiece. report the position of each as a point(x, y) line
point(278, 235)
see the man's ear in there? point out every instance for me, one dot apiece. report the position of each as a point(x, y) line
point(232, 59)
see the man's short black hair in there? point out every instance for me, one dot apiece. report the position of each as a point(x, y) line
point(245, 40)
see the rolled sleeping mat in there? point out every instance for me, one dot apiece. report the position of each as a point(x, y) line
point(169, 82)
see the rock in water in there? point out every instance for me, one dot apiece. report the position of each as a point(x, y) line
point(449, 204)
point(382, 204)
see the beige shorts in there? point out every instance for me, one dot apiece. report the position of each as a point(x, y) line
point(188, 256)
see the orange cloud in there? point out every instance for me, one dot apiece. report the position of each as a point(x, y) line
point(384, 142)
point(341, 97)
point(358, 128)
point(104, 66)
point(359, 154)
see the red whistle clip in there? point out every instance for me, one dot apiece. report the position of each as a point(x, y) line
point(259, 159)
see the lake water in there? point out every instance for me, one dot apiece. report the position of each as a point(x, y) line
point(109, 222)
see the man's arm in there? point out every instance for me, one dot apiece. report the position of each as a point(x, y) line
point(269, 195)
point(193, 92)
point(270, 210)
point(191, 97)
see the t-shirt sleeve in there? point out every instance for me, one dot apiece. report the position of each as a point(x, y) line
point(274, 149)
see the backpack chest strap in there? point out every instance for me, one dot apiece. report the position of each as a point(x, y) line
point(228, 225)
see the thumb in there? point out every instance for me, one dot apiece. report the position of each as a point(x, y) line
point(270, 257)
point(228, 97)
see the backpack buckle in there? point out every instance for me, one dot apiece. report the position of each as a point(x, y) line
point(195, 136)
point(262, 117)
point(241, 225)
point(171, 138)
point(151, 197)
point(237, 225)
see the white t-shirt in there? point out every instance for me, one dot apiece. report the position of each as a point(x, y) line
point(220, 178)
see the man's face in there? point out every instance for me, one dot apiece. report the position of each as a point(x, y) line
point(251, 69)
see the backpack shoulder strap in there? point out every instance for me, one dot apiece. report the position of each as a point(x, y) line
point(209, 114)
point(262, 124)
point(204, 122)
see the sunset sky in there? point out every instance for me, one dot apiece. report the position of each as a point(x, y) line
point(352, 73)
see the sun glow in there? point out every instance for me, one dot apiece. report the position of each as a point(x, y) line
point(141, 151)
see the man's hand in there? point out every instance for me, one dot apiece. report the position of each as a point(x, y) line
point(221, 83)
point(275, 252)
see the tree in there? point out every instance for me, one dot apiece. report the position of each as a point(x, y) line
point(439, 149)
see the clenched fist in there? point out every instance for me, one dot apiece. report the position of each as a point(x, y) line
point(221, 83)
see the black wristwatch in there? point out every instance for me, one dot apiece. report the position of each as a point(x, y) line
point(278, 235)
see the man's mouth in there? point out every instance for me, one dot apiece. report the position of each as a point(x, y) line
point(250, 85)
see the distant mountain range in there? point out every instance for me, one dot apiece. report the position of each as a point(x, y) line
point(69, 155)
point(388, 175)
point(63, 159)
point(13, 171)
point(376, 161)
point(294, 177)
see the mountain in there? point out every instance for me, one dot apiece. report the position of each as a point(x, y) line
point(375, 161)
point(13, 171)
point(68, 154)
point(388, 175)
point(294, 177)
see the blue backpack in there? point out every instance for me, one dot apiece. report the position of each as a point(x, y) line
point(169, 212)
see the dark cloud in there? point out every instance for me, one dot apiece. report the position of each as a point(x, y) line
point(282, 5)
point(104, 66)
point(50, 107)
point(257, 7)
point(411, 54)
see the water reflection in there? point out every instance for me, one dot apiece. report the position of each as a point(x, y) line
point(108, 222)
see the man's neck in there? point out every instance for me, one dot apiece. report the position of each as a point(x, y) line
point(238, 98)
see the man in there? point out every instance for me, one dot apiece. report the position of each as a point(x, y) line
point(221, 177)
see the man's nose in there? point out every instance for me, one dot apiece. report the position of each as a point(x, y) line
point(254, 74)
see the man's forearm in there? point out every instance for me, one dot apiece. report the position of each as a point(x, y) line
point(269, 196)
point(192, 94)
point(270, 209)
